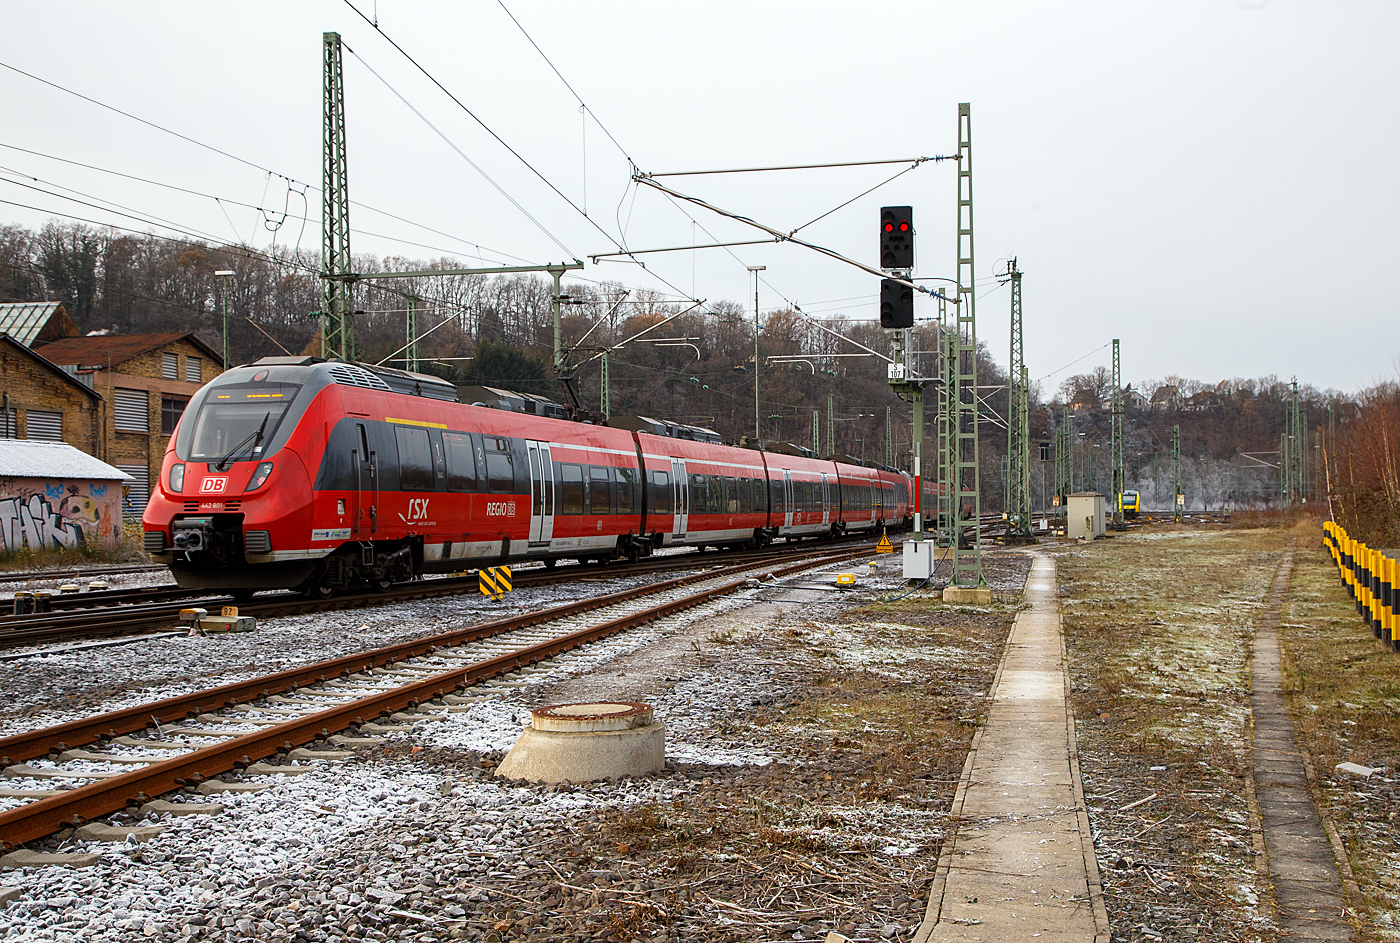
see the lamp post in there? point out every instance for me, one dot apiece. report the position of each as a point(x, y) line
point(224, 275)
point(758, 438)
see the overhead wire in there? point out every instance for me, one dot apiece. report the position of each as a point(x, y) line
point(291, 181)
point(518, 156)
point(461, 153)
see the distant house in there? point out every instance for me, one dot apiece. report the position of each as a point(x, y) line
point(1166, 399)
point(1202, 401)
point(41, 401)
point(1132, 399)
point(32, 323)
point(52, 496)
point(144, 381)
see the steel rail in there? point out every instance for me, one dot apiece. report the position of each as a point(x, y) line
point(30, 744)
point(43, 817)
point(86, 622)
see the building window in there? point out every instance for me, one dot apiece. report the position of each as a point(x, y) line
point(170, 365)
point(131, 409)
point(43, 426)
point(194, 368)
point(171, 408)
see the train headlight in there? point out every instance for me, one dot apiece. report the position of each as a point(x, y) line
point(177, 477)
point(259, 476)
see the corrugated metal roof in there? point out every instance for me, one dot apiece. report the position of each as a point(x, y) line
point(20, 458)
point(25, 319)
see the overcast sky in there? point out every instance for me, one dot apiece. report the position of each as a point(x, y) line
point(1213, 182)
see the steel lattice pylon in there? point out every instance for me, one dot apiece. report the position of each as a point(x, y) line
point(967, 508)
point(1117, 432)
point(944, 454)
point(1294, 447)
point(1178, 492)
point(337, 307)
point(1018, 449)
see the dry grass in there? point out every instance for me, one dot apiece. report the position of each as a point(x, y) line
point(1344, 694)
point(841, 834)
point(1158, 631)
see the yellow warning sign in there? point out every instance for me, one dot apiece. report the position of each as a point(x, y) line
point(494, 581)
point(884, 546)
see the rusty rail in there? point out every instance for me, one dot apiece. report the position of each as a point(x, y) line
point(45, 816)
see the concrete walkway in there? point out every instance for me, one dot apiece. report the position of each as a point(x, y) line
point(1021, 865)
point(1309, 900)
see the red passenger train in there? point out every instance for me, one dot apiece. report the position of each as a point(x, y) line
point(297, 472)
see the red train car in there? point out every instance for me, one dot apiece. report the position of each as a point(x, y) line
point(322, 475)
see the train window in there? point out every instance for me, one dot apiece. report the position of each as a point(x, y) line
point(415, 459)
point(600, 490)
point(731, 495)
point(500, 470)
point(717, 494)
point(570, 489)
point(364, 443)
point(660, 494)
point(779, 499)
point(760, 503)
point(699, 494)
point(626, 489)
point(745, 496)
point(461, 462)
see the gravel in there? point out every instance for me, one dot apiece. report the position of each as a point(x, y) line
point(793, 802)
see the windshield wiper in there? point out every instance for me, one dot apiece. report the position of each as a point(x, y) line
point(253, 437)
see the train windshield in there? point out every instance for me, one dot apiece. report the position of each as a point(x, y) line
point(236, 422)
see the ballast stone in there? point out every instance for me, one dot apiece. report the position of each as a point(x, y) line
point(586, 743)
point(8, 894)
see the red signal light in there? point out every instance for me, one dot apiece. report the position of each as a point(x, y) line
point(903, 227)
point(889, 227)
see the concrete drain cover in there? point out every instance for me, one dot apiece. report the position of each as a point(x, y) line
point(587, 742)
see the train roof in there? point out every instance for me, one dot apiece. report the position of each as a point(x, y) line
point(371, 376)
point(674, 430)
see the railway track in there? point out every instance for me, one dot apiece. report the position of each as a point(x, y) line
point(100, 614)
point(298, 706)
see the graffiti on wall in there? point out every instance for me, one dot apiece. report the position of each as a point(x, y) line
point(50, 517)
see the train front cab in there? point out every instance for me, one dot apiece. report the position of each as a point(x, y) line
point(234, 483)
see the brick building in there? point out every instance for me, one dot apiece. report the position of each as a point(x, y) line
point(143, 382)
point(40, 400)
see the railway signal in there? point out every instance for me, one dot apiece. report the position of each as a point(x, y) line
point(896, 237)
point(896, 304)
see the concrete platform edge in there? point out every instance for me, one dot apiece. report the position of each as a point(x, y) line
point(939, 885)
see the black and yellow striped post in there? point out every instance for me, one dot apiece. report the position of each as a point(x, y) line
point(494, 581)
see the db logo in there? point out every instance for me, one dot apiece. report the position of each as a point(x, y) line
point(213, 486)
point(500, 509)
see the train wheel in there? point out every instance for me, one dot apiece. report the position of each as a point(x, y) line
point(318, 591)
point(242, 594)
point(550, 563)
point(383, 585)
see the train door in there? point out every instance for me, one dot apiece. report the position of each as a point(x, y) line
point(680, 497)
point(541, 493)
point(874, 508)
point(787, 498)
point(826, 501)
point(364, 516)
